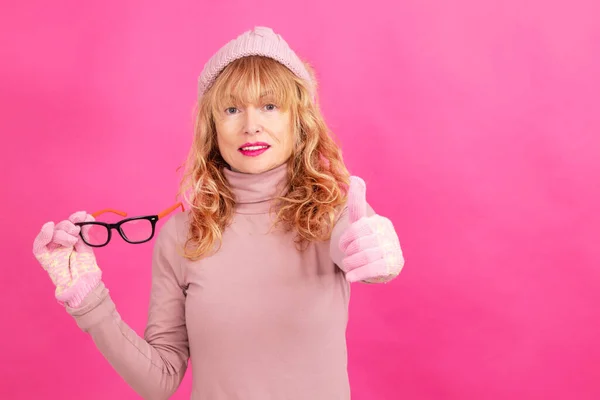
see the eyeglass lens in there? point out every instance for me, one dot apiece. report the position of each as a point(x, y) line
point(137, 230)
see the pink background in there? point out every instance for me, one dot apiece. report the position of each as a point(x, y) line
point(475, 124)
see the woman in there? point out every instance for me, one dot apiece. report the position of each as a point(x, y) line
point(252, 283)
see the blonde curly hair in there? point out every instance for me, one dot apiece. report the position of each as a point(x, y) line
point(317, 177)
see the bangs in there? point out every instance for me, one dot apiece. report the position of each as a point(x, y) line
point(254, 80)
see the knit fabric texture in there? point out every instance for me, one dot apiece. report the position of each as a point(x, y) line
point(70, 263)
point(260, 41)
point(370, 244)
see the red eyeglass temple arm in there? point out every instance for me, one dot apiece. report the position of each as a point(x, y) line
point(107, 210)
point(170, 210)
point(124, 214)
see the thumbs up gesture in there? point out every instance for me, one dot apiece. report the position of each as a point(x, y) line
point(370, 244)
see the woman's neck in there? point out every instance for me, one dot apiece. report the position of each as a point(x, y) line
point(254, 193)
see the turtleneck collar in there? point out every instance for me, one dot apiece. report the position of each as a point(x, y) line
point(254, 192)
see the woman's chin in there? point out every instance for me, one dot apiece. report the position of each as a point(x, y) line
point(255, 167)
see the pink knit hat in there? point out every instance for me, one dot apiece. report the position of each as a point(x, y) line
point(260, 41)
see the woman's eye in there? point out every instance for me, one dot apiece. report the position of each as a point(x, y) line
point(230, 110)
point(270, 107)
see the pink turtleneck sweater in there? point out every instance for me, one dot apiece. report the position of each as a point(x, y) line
point(259, 319)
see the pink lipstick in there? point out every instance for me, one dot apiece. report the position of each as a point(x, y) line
point(254, 149)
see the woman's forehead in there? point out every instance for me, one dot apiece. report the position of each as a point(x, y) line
point(251, 95)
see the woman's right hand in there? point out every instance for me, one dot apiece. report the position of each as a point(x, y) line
point(70, 263)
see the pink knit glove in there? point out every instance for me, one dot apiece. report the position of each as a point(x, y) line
point(70, 263)
point(371, 246)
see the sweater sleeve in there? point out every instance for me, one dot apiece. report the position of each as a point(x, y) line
point(154, 365)
point(342, 223)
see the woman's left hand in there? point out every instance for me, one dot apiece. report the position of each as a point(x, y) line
point(370, 244)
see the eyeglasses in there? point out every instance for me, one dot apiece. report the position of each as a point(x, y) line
point(134, 230)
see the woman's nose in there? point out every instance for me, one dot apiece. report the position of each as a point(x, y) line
point(252, 124)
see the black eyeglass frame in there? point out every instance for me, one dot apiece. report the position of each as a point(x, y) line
point(118, 225)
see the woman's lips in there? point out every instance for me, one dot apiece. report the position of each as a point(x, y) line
point(253, 149)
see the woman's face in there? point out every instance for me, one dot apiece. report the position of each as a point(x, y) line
point(254, 138)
